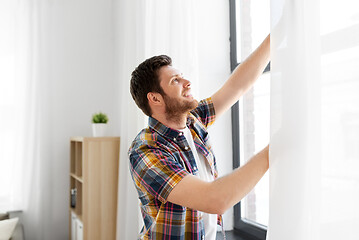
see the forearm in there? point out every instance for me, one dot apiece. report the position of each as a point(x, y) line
point(248, 71)
point(230, 189)
point(224, 192)
point(242, 78)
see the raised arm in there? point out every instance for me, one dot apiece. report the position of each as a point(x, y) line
point(223, 193)
point(242, 78)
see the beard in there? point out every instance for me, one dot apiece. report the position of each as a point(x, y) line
point(176, 108)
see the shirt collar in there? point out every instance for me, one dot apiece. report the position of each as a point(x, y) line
point(164, 130)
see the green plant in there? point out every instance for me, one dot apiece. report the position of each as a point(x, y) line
point(99, 118)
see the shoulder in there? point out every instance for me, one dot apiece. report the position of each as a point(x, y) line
point(148, 143)
point(205, 112)
point(146, 137)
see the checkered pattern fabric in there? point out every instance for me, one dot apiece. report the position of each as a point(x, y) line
point(159, 159)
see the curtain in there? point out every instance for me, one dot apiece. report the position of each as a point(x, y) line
point(314, 156)
point(147, 28)
point(24, 154)
point(57, 66)
point(130, 52)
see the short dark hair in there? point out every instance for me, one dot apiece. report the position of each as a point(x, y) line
point(145, 79)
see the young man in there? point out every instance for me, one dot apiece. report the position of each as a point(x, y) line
point(171, 161)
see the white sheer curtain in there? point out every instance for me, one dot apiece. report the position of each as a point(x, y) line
point(61, 56)
point(314, 156)
point(171, 29)
point(25, 169)
point(130, 52)
point(147, 28)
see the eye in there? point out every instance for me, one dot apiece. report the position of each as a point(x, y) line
point(175, 80)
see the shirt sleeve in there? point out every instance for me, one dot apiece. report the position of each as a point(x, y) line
point(155, 171)
point(205, 112)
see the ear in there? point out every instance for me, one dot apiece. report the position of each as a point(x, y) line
point(154, 98)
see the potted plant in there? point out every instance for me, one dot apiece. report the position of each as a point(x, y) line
point(99, 124)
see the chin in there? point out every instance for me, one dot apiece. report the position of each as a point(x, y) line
point(194, 104)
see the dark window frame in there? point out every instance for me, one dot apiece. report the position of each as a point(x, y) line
point(249, 230)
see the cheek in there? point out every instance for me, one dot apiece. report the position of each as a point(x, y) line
point(175, 92)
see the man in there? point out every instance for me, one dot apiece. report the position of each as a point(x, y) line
point(171, 161)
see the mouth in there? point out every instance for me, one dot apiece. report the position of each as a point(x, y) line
point(188, 95)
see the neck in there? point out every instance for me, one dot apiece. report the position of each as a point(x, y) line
point(177, 122)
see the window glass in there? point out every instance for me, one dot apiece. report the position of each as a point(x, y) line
point(238, 31)
point(252, 26)
point(260, 21)
point(254, 136)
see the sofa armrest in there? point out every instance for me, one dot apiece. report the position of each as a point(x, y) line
point(18, 233)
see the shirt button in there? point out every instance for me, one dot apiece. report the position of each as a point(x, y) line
point(174, 139)
point(181, 133)
point(185, 148)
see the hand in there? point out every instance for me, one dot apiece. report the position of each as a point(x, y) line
point(265, 151)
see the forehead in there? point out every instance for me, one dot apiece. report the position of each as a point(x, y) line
point(167, 72)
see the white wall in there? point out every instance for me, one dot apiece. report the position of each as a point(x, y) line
point(81, 79)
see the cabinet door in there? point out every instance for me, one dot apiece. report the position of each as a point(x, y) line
point(79, 231)
point(73, 226)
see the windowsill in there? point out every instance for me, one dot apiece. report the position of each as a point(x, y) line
point(232, 235)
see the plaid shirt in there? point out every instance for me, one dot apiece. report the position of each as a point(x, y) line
point(159, 159)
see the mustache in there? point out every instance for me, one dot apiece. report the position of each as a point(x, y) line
point(187, 92)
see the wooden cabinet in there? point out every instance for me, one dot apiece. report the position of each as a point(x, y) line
point(94, 165)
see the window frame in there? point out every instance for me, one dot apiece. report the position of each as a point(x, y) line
point(242, 227)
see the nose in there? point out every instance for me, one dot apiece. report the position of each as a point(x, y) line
point(186, 83)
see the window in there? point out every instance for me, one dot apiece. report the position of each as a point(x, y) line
point(250, 24)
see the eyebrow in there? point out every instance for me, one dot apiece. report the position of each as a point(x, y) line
point(177, 75)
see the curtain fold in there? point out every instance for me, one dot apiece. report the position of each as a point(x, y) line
point(29, 178)
point(147, 28)
point(314, 120)
point(130, 51)
point(61, 58)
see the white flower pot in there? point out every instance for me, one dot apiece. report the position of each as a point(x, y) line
point(99, 129)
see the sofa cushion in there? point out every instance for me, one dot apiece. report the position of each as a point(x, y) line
point(7, 227)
